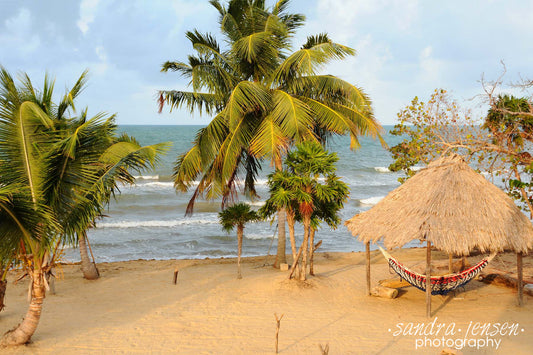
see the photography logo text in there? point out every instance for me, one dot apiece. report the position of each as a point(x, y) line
point(475, 335)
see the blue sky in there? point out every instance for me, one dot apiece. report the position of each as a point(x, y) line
point(405, 48)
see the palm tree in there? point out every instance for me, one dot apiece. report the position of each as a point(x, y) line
point(94, 142)
point(263, 98)
point(29, 226)
point(53, 184)
point(282, 197)
point(10, 225)
point(300, 185)
point(237, 215)
point(327, 211)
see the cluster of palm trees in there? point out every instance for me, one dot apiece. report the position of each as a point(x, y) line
point(58, 170)
point(309, 191)
point(59, 167)
point(263, 97)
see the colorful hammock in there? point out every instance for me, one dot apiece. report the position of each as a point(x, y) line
point(440, 285)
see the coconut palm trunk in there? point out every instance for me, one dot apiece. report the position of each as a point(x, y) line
point(281, 257)
point(240, 232)
point(3, 285)
point(88, 267)
point(24, 331)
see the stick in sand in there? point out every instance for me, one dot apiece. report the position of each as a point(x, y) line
point(324, 350)
point(176, 276)
point(278, 323)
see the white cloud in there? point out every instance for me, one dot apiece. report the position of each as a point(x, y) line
point(100, 53)
point(101, 67)
point(19, 24)
point(18, 34)
point(431, 68)
point(88, 10)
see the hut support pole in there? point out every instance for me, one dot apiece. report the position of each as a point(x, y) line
point(520, 279)
point(428, 279)
point(450, 263)
point(367, 268)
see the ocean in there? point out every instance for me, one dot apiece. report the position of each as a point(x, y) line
point(147, 220)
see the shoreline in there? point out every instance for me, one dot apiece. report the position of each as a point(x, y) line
point(135, 308)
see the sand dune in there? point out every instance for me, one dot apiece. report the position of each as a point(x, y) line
point(135, 309)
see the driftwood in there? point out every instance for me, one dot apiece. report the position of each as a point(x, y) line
point(502, 279)
point(394, 283)
point(385, 292)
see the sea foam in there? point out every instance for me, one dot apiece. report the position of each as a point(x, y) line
point(371, 200)
point(146, 177)
point(155, 223)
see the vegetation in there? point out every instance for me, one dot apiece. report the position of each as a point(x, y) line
point(310, 191)
point(263, 99)
point(498, 144)
point(237, 215)
point(57, 172)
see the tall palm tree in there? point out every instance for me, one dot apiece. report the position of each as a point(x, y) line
point(263, 98)
point(237, 215)
point(54, 184)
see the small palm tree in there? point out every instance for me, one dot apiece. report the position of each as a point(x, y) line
point(300, 190)
point(237, 215)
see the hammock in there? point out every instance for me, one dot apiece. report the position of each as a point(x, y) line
point(440, 285)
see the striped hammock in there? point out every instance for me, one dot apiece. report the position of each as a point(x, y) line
point(440, 285)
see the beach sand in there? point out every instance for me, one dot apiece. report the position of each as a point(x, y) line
point(134, 308)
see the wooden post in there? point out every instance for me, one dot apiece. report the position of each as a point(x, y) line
point(428, 279)
point(520, 279)
point(367, 245)
point(450, 263)
point(278, 323)
point(175, 280)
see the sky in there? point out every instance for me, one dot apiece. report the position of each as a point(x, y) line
point(405, 48)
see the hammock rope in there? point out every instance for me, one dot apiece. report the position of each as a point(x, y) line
point(440, 285)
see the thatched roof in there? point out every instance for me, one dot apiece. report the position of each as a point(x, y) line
point(455, 207)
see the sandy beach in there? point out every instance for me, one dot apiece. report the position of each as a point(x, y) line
point(134, 308)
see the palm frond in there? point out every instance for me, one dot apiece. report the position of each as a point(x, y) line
point(293, 116)
point(247, 97)
point(270, 140)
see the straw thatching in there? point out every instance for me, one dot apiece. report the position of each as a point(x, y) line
point(456, 208)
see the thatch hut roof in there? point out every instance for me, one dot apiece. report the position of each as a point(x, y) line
point(456, 208)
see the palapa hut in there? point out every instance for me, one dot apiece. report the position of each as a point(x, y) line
point(451, 207)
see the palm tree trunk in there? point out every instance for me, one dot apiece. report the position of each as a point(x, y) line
point(290, 223)
point(23, 332)
point(3, 285)
point(307, 223)
point(90, 272)
point(312, 251)
point(281, 257)
point(240, 232)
